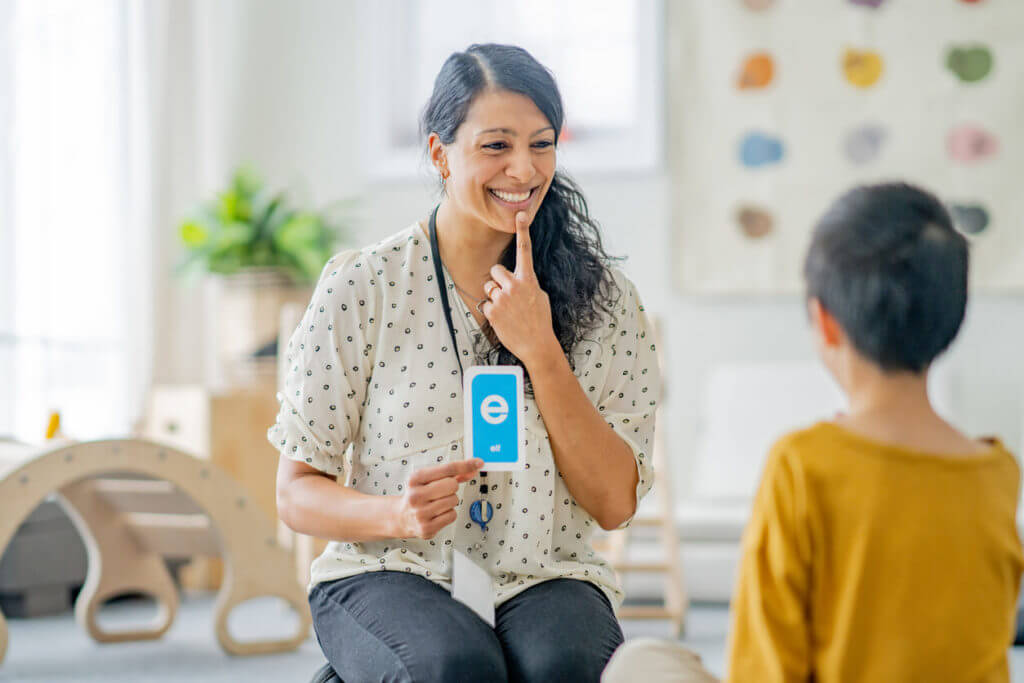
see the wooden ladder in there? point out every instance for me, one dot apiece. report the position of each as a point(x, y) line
point(616, 543)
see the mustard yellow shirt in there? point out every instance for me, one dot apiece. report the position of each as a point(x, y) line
point(870, 562)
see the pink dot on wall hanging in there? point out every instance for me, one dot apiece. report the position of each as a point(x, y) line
point(968, 143)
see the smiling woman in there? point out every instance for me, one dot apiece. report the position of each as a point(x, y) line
point(507, 270)
point(492, 135)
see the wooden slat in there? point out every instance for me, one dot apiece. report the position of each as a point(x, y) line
point(647, 521)
point(646, 612)
point(145, 495)
point(174, 535)
point(623, 567)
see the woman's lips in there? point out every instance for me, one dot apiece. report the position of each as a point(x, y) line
point(513, 200)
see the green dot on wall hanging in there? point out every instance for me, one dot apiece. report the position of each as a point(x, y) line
point(969, 63)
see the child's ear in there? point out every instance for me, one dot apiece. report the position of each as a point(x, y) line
point(824, 323)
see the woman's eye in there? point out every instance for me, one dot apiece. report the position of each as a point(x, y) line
point(543, 144)
point(495, 145)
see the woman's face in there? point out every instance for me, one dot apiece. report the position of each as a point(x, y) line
point(501, 162)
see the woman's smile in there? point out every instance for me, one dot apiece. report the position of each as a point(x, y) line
point(515, 201)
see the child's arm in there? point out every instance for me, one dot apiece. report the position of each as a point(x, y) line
point(771, 633)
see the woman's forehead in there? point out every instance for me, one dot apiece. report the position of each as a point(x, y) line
point(503, 111)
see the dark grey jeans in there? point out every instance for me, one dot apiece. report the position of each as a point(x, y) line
point(393, 626)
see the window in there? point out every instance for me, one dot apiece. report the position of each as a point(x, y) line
point(605, 54)
point(71, 283)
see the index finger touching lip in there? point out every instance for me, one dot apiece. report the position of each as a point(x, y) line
point(524, 254)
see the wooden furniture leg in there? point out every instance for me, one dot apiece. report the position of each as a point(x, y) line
point(118, 564)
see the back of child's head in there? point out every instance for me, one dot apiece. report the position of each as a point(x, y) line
point(887, 263)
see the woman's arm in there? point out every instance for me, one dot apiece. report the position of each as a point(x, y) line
point(596, 463)
point(312, 503)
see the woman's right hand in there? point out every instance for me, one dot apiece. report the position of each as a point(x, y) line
point(431, 496)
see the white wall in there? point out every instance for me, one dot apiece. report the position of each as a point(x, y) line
point(293, 108)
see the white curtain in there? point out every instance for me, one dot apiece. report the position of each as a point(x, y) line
point(76, 210)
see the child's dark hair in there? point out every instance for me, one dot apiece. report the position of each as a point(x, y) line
point(887, 263)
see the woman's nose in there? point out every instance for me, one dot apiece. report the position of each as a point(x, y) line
point(521, 166)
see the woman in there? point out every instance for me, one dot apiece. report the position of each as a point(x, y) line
point(376, 366)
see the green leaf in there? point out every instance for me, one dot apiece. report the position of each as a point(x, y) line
point(193, 234)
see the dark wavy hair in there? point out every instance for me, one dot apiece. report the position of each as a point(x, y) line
point(569, 258)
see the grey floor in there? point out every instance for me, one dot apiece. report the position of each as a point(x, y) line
point(53, 649)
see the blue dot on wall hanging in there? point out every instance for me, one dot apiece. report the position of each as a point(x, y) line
point(759, 149)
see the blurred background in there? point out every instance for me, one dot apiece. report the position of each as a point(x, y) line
point(174, 172)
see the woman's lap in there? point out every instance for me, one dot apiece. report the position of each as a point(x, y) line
point(559, 630)
point(396, 626)
point(393, 626)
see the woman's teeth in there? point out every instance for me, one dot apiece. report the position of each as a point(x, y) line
point(512, 197)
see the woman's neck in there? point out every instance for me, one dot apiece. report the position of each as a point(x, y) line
point(468, 248)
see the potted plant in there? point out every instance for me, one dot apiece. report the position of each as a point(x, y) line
point(266, 254)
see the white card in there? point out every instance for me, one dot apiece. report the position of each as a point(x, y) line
point(471, 585)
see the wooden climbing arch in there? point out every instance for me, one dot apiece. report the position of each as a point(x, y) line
point(121, 562)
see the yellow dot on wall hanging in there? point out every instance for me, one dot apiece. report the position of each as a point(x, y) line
point(757, 71)
point(862, 68)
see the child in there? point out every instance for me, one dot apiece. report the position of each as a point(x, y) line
point(882, 545)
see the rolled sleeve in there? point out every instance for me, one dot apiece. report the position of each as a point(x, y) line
point(329, 359)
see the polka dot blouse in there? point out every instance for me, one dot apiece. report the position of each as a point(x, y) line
point(373, 392)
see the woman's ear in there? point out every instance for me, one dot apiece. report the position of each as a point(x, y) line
point(437, 155)
point(824, 323)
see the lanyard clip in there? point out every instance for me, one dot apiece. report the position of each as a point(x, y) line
point(481, 513)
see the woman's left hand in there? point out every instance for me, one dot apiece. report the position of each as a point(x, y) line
point(518, 309)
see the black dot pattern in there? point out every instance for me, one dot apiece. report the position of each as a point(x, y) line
point(372, 392)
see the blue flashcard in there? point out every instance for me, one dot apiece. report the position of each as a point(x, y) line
point(494, 422)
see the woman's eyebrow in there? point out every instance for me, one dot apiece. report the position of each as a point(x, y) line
point(509, 131)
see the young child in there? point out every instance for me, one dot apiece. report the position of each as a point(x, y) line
point(882, 545)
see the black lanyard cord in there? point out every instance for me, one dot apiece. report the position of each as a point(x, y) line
point(442, 287)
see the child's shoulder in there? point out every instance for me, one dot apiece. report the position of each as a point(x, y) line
point(804, 442)
point(828, 447)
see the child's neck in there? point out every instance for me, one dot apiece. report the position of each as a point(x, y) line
point(894, 408)
point(872, 391)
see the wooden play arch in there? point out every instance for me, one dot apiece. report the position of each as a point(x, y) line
point(180, 505)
